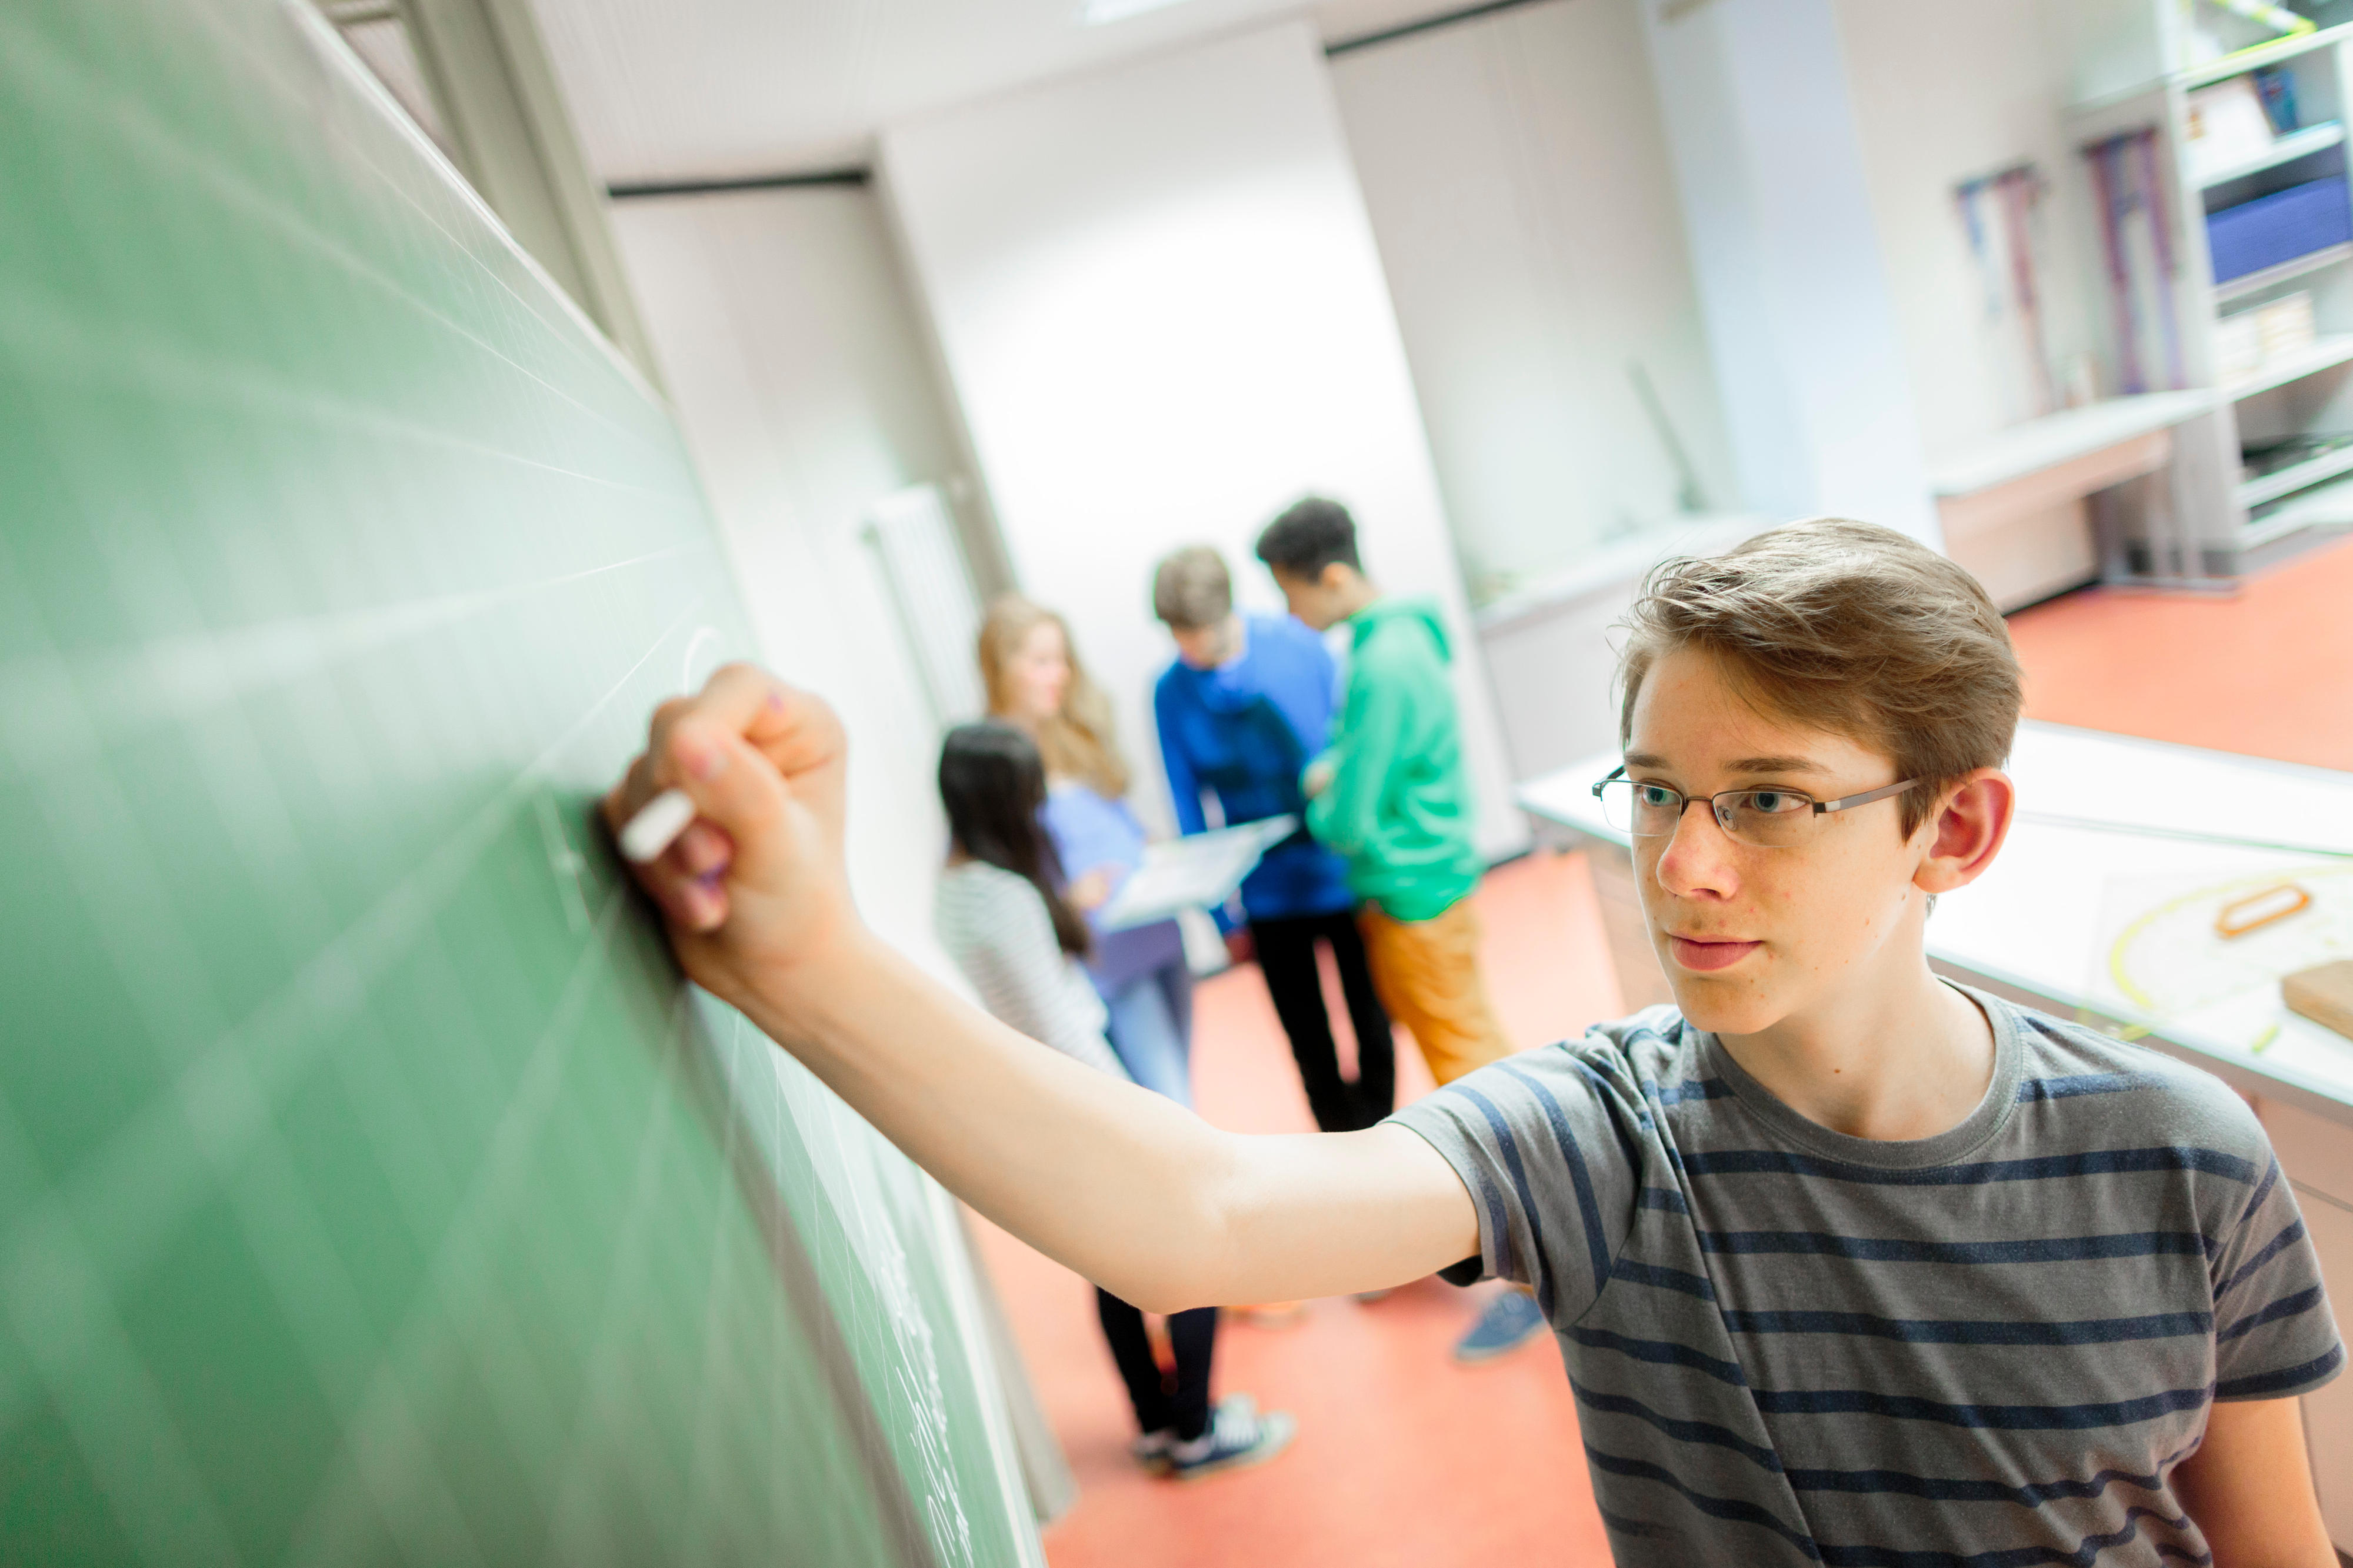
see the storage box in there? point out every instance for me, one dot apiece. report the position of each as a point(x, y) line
point(2285, 325)
point(2227, 125)
point(2278, 227)
point(2238, 348)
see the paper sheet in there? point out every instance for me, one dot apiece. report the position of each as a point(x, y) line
point(1194, 873)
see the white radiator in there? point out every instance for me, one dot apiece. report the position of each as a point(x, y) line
point(913, 537)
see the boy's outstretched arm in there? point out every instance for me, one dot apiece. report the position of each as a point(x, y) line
point(1128, 1188)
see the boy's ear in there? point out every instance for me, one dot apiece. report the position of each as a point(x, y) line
point(1335, 576)
point(1967, 830)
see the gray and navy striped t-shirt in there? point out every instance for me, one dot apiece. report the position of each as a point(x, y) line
point(1989, 1348)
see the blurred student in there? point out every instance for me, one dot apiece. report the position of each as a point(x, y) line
point(1036, 684)
point(1001, 916)
point(1244, 707)
point(1392, 797)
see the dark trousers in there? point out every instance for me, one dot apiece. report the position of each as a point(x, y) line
point(1286, 956)
point(1161, 1401)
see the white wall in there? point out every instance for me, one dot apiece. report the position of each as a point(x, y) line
point(1943, 94)
point(1164, 317)
point(1816, 394)
point(789, 345)
point(1516, 171)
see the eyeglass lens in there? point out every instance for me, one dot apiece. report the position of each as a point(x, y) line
point(1769, 818)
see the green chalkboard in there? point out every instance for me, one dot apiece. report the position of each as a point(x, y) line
point(371, 1188)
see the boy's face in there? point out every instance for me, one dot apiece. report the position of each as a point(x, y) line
point(1205, 648)
point(1753, 937)
point(1322, 600)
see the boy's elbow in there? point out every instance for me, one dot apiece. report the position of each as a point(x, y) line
point(1171, 1282)
point(1190, 1260)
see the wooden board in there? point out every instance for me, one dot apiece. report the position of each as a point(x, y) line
point(2323, 994)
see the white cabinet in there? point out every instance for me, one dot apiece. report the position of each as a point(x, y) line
point(2317, 1156)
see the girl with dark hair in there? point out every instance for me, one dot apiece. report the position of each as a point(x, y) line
point(1001, 915)
point(1037, 684)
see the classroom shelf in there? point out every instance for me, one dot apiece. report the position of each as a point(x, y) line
point(2256, 283)
point(2329, 506)
point(2278, 371)
point(2299, 476)
point(2279, 525)
point(2263, 55)
point(2286, 150)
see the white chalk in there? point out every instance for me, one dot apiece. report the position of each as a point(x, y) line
point(657, 825)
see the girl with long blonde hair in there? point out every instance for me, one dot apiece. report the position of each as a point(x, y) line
point(1036, 683)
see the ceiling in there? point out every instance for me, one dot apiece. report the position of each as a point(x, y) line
point(673, 90)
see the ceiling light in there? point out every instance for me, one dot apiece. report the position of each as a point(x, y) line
point(1095, 13)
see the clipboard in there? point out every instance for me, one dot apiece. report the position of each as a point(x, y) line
point(1195, 872)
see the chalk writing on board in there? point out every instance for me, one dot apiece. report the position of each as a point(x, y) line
point(861, 1174)
point(563, 860)
point(701, 653)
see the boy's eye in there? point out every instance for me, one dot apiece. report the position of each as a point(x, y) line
point(1773, 802)
point(1653, 795)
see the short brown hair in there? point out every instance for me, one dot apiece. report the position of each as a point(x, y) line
point(1192, 589)
point(1849, 628)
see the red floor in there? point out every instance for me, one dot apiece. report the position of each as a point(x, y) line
point(1402, 1456)
point(2267, 671)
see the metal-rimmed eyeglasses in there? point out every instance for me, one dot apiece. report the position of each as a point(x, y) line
point(1769, 819)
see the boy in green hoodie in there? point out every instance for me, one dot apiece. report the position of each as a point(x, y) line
point(1391, 796)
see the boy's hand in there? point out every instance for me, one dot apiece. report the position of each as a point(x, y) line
point(753, 891)
point(1319, 777)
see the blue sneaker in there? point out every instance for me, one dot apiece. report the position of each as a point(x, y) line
point(1511, 1319)
point(1238, 1435)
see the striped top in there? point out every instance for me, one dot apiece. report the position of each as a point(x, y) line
point(995, 927)
point(1985, 1349)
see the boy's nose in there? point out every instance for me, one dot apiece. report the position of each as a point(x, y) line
point(1698, 856)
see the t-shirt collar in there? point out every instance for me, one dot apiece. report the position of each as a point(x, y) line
point(1971, 1133)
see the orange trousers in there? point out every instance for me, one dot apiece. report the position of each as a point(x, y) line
point(1427, 974)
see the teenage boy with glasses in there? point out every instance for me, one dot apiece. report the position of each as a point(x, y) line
point(1848, 1265)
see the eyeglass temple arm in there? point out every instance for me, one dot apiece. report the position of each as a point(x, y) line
point(1865, 798)
point(1615, 775)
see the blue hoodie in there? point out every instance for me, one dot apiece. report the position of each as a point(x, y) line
point(1244, 731)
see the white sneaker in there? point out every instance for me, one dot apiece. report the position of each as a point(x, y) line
point(1238, 1435)
point(1151, 1449)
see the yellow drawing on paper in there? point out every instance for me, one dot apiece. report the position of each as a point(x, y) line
point(2192, 950)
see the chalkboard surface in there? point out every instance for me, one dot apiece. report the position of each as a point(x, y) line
point(371, 1189)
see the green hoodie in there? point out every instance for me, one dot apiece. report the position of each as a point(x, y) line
point(1398, 808)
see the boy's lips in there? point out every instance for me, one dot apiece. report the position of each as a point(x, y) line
point(1705, 953)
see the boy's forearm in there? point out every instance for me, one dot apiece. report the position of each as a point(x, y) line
point(1125, 1187)
point(1111, 1180)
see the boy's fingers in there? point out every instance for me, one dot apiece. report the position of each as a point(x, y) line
point(703, 851)
point(797, 730)
point(733, 786)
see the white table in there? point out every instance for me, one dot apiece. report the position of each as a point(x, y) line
point(2031, 926)
point(2038, 926)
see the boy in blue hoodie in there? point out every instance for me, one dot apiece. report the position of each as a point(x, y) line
point(1246, 704)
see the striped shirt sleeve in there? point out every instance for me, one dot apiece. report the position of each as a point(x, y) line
point(997, 928)
point(2274, 1334)
point(1536, 1141)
